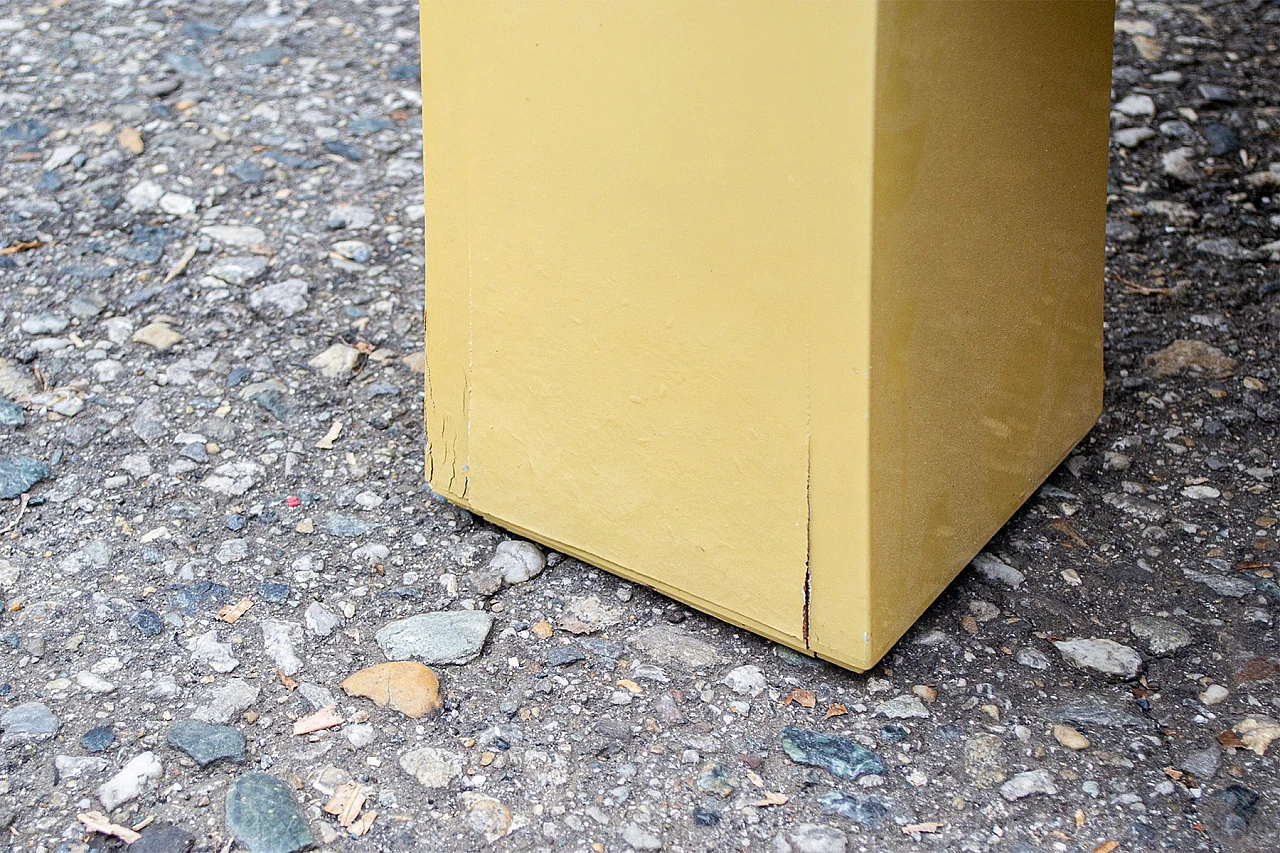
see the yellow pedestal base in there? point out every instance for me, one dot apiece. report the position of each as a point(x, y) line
point(781, 308)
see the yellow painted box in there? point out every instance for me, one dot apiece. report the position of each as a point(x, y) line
point(782, 308)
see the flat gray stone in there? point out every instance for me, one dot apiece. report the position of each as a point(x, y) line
point(207, 743)
point(1161, 636)
point(45, 324)
point(264, 817)
point(904, 707)
point(29, 722)
point(641, 838)
point(239, 270)
point(287, 298)
point(433, 768)
point(1203, 764)
point(227, 701)
point(1224, 585)
point(996, 570)
point(242, 236)
point(161, 837)
point(1090, 711)
point(667, 645)
point(837, 755)
point(811, 838)
point(451, 636)
point(1105, 656)
point(320, 620)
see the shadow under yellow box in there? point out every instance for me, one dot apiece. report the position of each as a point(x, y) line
point(782, 308)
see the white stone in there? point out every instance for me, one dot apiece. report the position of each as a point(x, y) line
point(641, 838)
point(1137, 105)
point(144, 196)
point(279, 639)
point(359, 735)
point(1201, 493)
point(108, 370)
point(141, 773)
point(746, 681)
point(1213, 694)
point(94, 683)
point(233, 479)
point(353, 250)
point(1180, 163)
point(117, 329)
point(517, 560)
point(337, 361)
point(79, 766)
point(350, 217)
point(177, 204)
point(1131, 137)
point(226, 701)
point(61, 156)
point(232, 551)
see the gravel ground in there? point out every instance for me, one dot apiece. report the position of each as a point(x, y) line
point(214, 516)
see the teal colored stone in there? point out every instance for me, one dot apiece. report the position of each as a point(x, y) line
point(19, 473)
point(11, 414)
point(207, 743)
point(264, 817)
point(837, 755)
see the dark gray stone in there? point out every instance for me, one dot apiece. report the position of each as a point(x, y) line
point(248, 171)
point(24, 131)
point(163, 837)
point(207, 743)
point(1222, 94)
point(201, 594)
point(274, 593)
point(344, 150)
point(864, 811)
point(564, 655)
point(264, 817)
point(1222, 139)
point(147, 623)
point(98, 739)
point(274, 402)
